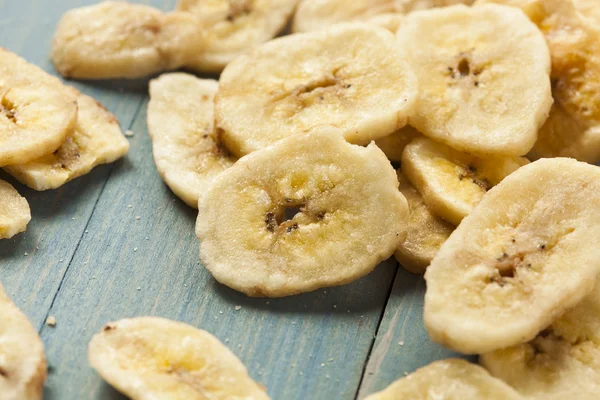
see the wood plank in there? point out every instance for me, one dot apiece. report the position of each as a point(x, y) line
point(32, 264)
point(402, 344)
point(312, 346)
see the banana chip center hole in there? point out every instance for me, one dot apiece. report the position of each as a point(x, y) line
point(463, 67)
point(8, 109)
point(238, 8)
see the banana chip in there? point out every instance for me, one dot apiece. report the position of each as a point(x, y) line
point(235, 26)
point(122, 40)
point(452, 182)
point(451, 379)
point(573, 128)
point(349, 216)
point(22, 359)
point(524, 255)
point(97, 139)
point(589, 8)
point(36, 113)
point(314, 15)
point(14, 211)
point(186, 148)
point(483, 77)
point(426, 232)
point(562, 362)
point(390, 21)
point(149, 358)
point(350, 76)
point(393, 145)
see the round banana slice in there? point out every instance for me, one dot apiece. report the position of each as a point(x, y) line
point(483, 77)
point(426, 232)
point(448, 379)
point(149, 358)
point(562, 362)
point(524, 255)
point(14, 211)
point(350, 76)
point(22, 359)
point(393, 145)
point(452, 182)
point(36, 114)
point(122, 40)
point(314, 15)
point(97, 139)
point(187, 151)
point(310, 211)
point(234, 26)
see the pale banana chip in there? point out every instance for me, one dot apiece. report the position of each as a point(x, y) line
point(235, 26)
point(573, 128)
point(426, 232)
point(14, 211)
point(451, 379)
point(22, 359)
point(349, 216)
point(122, 40)
point(483, 76)
point(36, 113)
point(524, 255)
point(187, 151)
point(452, 182)
point(314, 15)
point(390, 21)
point(393, 145)
point(589, 8)
point(149, 358)
point(350, 76)
point(561, 363)
point(97, 139)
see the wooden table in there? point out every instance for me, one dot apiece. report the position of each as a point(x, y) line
point(117, 243)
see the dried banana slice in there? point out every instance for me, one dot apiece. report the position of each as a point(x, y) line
point(426, 232)
point(122, 40)
point(14, 212)
point(36, 114)
point(97, 139)
point(448, 379)
point(390, 21)
point(483, 76)
point(346, 203)
point(562, 362)
point(150, 358)
point(350, 76)
point(589, 9)
point(314, 15)
point(186, 148)
point(235, 26)
point(393, 145)
point(573, 128)
point(22, 359)
point(524, 255)
point(452, 182)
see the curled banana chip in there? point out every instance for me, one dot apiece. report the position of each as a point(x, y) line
point(562, 362)
point(187, 151)
point(235, 26)
point(573, 128)
point(524, 255)
point(14, 211)
point(350, 76)
point(22, 359)
point(448, 379)
point(36, 113)
point(483, 75)
point(314, 15)
point(425, 234)
point(149, 358)
point(393, 145)
point(123, 40)
point(97, 139)
point(287, 219)
point(452, 182)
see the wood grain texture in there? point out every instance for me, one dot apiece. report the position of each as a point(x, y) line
point(402, 344)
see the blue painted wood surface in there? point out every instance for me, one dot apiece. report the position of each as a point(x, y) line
point(87, 258)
